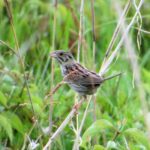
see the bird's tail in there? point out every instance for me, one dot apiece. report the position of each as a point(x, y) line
point(113, 76)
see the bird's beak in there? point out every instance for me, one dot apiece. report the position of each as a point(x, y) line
point(53, 54)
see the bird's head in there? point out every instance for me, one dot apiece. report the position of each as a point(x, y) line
point(64, 58)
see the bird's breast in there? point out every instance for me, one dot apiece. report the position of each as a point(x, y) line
point(66, 70)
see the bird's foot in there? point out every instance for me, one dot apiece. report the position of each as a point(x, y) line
point(76, 106)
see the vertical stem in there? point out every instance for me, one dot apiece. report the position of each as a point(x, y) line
point(94, 52)
point(107, 63)
point(115, 34)
point(93, 30)
point(52, 70)
point(80, 29)
point(78, 56)
point(76, 142)
point(63, 125)
point(18, 54)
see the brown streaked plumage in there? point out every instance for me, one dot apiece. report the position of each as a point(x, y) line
point(82, 80)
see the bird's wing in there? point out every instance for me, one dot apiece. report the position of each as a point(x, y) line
point(83, 77)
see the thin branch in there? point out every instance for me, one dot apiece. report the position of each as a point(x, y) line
point(53, 91)
point(76, 142)
point(63, 125)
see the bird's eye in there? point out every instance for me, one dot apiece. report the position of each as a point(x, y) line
point(61, 54)
point(70, 56)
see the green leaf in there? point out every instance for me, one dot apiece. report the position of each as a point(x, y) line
point(3, 99)
point(15, 121)
point(95, 129)
point(4, 123)
point(138, 136)
point(99, 147)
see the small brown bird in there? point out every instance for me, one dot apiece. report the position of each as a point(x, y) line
point(82, 80)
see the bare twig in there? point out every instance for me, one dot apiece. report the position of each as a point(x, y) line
point(53, 91)
point(63, 125)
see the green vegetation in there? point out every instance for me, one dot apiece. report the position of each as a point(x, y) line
point(114, 121)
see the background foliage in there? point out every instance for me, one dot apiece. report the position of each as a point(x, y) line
point(119, 121)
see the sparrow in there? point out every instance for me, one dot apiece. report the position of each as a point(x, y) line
point(79, 78)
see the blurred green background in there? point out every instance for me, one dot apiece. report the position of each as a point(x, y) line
point(117, 112)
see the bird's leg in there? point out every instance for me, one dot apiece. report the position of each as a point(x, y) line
point(77, 106)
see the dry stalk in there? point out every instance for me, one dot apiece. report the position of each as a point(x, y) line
point(93, 30)
point(139, 23)
point(76, 142)
point(116, 32)
point(80, 29)
point(63, 125)
point(142, 30)
point(80, 37)
point(126, 144)
point(18, 53)
point(52, 70)
point(104, 68)
point(94, 54)
point(135, 67)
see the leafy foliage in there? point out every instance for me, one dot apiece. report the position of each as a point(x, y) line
point(119, 120)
